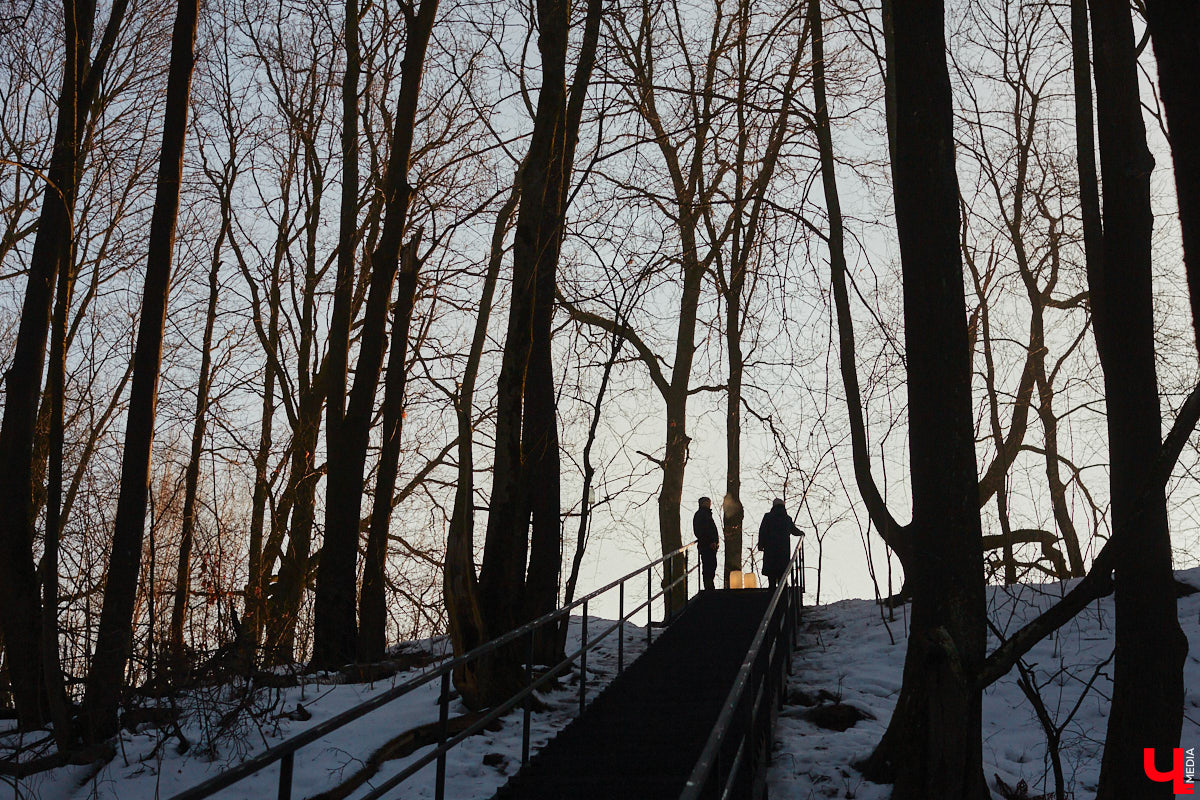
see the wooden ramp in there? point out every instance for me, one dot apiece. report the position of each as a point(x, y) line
point(642, 736)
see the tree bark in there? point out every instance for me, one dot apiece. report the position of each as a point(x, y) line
point(1148, 691)
point(343, 296)
point(255, 606)
point(106, 678)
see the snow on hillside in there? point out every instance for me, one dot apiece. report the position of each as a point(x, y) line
point(848, 652)
point(148, 765)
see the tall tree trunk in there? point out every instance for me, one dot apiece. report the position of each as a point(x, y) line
point(23, 381)
point(460, 585)
point(1175, 30)
point(283, 610)
point(106, 678)
point(372, 612)
point(526, 419)
point(191, 481)
point(559, 113)
point(893, 534)
point(255, 592)
point(1147, 703)
point(933, 745)
point(343, 297)
point(56, 694)
point(732, 512)
point(335, 634)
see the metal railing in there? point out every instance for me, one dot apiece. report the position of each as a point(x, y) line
point(674, 563)
point(741, 739)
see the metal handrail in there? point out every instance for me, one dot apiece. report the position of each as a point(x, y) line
point(285, 751)
point(780, 621)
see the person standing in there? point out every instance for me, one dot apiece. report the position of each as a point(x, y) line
point(774, 540)
point(708, 541)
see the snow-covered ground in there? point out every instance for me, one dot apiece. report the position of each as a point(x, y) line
point(148, 765)
point(849, 653)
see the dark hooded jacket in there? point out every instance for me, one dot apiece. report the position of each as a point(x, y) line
point(774, 540)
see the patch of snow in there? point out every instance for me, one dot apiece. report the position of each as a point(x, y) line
point(849, 651)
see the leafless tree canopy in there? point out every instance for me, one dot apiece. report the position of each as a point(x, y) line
point(329, 326)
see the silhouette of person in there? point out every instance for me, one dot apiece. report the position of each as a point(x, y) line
point(708, 541)
point(774, 540)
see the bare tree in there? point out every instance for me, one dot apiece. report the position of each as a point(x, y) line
point(933, 745)
point(81, 78)
point(112, 646)
point(1147, 704)
point(335, 626)
point(526, 418)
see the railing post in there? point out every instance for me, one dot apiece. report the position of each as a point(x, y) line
point(583, 661)
point(439, 791)
point(649, 600)
point(668, 577)
point(789, 625)
point(285, 776)
point(621, 632)
point(528, 699)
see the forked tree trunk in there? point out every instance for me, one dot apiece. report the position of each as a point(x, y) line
point(460, 585)
point(747, 214)
point(1148, 690)
point(335, 628)
point(106, 678)
point(526, 418)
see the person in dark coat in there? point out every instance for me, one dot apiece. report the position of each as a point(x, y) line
point(708, 541)
point(774, 540)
